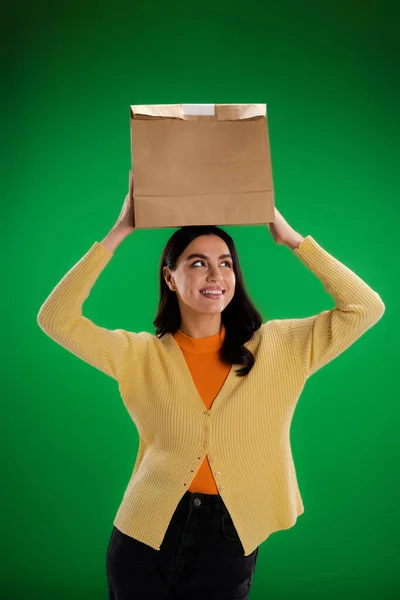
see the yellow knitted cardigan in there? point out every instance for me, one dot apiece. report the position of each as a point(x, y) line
point(246, 430)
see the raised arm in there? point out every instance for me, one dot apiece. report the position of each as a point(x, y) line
point(60, 316)
point(318, 339)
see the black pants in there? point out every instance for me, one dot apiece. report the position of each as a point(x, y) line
point(201, 557)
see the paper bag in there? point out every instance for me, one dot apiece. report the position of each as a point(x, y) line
point(201, 164)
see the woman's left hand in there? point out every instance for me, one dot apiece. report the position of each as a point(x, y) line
point(283, 233)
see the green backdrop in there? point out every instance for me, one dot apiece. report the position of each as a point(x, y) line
point(329, 75)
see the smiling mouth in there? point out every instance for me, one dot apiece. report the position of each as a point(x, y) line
point(212, 296)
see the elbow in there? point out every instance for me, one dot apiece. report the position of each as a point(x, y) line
point(39, 318)
point(380, 304)
point(377, 308)
point(42, 321)
point(42, 315)
point(47, 320)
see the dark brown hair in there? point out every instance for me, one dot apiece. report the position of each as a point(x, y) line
point(240, 317)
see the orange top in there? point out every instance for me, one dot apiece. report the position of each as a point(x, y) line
point(209, 373)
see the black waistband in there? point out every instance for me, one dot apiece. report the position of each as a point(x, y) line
point(205, 498)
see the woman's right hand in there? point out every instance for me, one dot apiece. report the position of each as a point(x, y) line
point(126, 219)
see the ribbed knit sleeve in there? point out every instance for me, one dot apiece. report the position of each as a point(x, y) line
point(318, 339)
point(60, 317)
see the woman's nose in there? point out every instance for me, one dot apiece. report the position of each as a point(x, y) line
point(214, 276)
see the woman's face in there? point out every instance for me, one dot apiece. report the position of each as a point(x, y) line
point(195, 273)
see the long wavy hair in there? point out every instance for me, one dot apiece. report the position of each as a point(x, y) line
point(240, 318)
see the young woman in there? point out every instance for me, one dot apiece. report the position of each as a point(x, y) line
point(212, 395)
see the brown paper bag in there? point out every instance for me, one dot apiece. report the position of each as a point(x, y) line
point(201, 164)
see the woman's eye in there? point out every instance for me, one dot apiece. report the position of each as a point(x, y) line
point(200, 261)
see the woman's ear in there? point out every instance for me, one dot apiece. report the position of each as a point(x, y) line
point(168, 278)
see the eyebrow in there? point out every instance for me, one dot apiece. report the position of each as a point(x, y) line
point(206, 257)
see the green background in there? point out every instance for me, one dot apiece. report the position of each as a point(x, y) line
point(329, 75)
